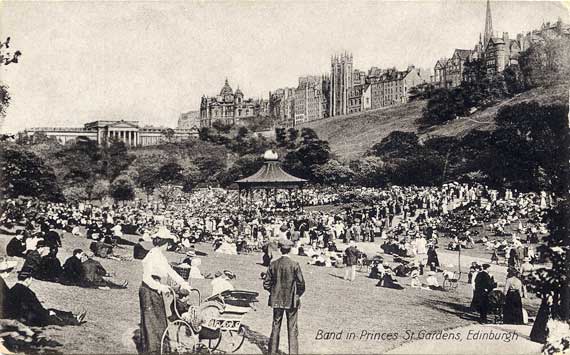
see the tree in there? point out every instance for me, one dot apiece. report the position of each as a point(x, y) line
point(79, 163)
point(370, 171)
point(4, 99)
point(148, 180)
point(242, 167)
point(514, 79)
point(100, 190)
point(555, 280)
point(311, 153)
point(333, 173)
point(396, 144)
point(117, 158)
point(170, 173)
point(280, 136)
point(546, 62)
point(530, 143)
point(292, 136)
point(168, 194)
point(75, 193)
point(123, 188)
point(24, 173)
point(7, 57)
point(422, 170)
point(210, 167)
point(443, 105)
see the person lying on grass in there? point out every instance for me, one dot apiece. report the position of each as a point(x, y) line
point(23, 305)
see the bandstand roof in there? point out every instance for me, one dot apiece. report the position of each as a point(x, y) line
point(270, 176)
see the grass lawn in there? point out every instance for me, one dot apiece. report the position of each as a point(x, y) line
point(330, 304)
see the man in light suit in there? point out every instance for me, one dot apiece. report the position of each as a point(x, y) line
point(285, 283)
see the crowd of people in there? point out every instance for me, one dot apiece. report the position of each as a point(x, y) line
point(407, 222)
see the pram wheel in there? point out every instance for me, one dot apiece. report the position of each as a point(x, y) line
point(214, 343)
point(232, 340)
point(178, 338)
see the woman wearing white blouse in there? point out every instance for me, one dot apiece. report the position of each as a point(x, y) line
point(157, 275)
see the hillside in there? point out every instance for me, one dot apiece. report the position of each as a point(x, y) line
point(351, 135)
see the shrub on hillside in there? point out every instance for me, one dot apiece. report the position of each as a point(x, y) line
point(333, 173)
point(123, 188)
point(25, 174)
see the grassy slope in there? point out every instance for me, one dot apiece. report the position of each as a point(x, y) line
point(330, 304)
point(350, 136)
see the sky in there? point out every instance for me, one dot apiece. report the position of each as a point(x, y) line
point(150, 61)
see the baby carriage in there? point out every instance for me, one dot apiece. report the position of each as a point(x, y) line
point(496, 302)
point(213, 324)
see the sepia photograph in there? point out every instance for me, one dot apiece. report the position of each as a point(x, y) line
point(285, 177)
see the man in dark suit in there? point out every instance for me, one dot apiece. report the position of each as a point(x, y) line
point(24, 306)
point(72, 270)
point(52, 238)
point(285, 283)
point(484, 284)
point(33, 261)
point(16, 246)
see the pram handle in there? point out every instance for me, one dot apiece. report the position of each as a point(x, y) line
point(172, 293)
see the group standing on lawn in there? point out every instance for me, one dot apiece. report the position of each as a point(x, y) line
point(408, 221)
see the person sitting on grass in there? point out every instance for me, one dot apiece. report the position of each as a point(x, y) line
point(377, 270)
point(16, 246)
point(94, 275)
point(34, 257)
point(50, 267)
point(72, 270)
point(431, 281)
point(24, 306)
point(389, 281)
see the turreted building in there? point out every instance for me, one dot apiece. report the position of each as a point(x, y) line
point(228, 107)
point(341, 83)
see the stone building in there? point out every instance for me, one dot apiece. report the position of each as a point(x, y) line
point(392, 87)
point(355, 99)
point(359, 77)
point(449, 72)
point(190, 119)
point(366, 97)
point(310, 99)
point(102, 132)
point(228, 107)
point(341, 81)
point(282, 106)
point(496, 52)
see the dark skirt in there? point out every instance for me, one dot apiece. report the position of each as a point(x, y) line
point(153, 319)
point(512, 310)
point(539, 332)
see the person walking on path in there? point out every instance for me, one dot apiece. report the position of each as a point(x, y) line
point(285, 283)
point(351, 255)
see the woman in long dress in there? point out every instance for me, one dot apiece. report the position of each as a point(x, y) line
point(157, 275)
point(512, 311)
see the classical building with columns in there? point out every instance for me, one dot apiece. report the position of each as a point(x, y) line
point(104, 131)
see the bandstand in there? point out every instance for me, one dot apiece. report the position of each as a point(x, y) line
point(270, 178)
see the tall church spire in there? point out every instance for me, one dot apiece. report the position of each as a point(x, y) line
point(488, 25)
